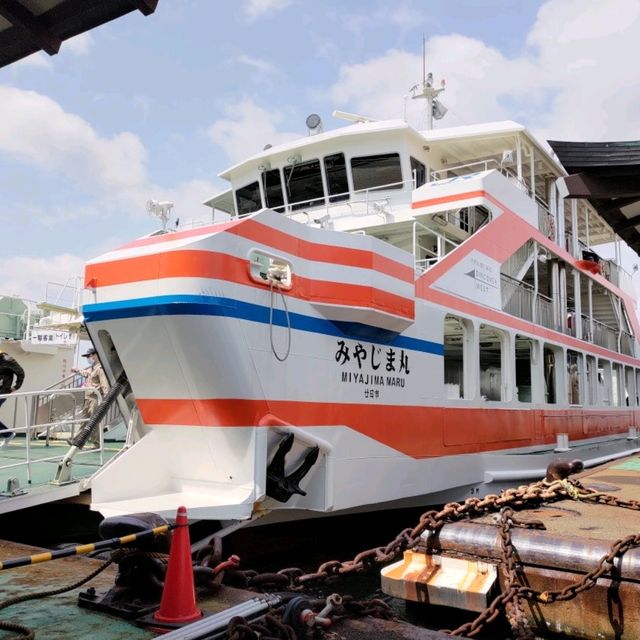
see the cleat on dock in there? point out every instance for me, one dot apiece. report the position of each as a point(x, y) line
point(281, 487)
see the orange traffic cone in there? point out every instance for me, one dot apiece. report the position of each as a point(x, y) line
point(178, 603)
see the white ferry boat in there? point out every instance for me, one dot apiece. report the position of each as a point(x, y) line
point(388, 317)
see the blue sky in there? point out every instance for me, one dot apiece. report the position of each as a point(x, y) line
point(156, 107)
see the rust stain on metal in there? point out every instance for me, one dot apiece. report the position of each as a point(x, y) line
point(432, 579)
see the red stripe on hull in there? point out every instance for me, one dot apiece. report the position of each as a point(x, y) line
point(332, 254)
point(180, 235)
point(455, 197)
point(418, 432)
point(208, 264)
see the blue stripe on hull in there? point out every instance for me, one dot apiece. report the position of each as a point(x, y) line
point(194, 305)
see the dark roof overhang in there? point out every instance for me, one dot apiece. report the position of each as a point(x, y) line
point(607, 174)
point(28, 26)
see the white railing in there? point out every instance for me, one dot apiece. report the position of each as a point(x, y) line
point(420, 249)
point(605, 336)
point(67, 295)
point(516, 261)
point(519, 299)
point(469, 168)
point(43, 415)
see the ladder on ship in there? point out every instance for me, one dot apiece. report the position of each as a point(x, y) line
point(46, 423)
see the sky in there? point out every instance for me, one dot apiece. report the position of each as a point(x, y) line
point(156, 107)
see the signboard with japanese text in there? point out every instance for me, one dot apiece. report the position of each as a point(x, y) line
point(371, 368)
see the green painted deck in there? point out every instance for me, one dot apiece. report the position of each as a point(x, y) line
point(34, 464)
point(59, 617)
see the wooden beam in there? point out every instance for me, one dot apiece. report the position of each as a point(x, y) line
point(627, 224)
point(587, 185)
point(147, 7)
point(19, 16)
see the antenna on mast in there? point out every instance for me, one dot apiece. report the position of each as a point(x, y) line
point(435, 108)
point(424, 60)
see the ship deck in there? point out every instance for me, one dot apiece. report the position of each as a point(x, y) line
point(32, 465)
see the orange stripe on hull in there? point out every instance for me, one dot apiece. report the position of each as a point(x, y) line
point(332, 254)
point(278, 240)
point(207, 264)
point(454, 197)
point(180, 235)
point(418, 432)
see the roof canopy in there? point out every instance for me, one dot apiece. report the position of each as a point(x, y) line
point(28, 26)
point(607, 174)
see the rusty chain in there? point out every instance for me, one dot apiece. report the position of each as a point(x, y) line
point(513, 590)
point(294, 579)
point(513, 608)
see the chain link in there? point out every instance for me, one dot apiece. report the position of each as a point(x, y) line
point(513, 592)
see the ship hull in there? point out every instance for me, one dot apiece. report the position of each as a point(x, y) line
point(341, 352)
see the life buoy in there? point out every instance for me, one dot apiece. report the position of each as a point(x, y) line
point(589, 265)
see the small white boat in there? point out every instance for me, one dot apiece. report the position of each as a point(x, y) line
point(388, 317)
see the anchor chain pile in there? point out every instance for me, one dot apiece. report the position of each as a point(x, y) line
point(514, 591)
point(300, 616)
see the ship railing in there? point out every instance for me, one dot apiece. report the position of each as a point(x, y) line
point(627, 343)
point(479, 166)
point(519, 260)
point(425, 256)
point(67, 295)
point(520, 299)
point(364, 202)
point(43, 421)
point(605, 336)
point(76, 381)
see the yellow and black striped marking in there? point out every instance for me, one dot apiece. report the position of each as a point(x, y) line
point(83, 549)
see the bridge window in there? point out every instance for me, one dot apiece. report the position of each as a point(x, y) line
point(551, 373)
point(629, 387)
point(616, 385)
point(418, 172)
point(248, 199)
point(377, 172)
point(604, 382)
point(490, 363)
point(304, 184)
point(272, 185)
point(524, 348)
point(455, 338)
point(574, 373)
point(592, 381)
point(335, 169)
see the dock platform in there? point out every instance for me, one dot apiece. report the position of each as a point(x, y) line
point(553, 548)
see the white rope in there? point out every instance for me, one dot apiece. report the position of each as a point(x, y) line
point(273, 281)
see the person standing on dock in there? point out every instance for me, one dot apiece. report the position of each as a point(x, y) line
point(97, 387)
point(9, 369)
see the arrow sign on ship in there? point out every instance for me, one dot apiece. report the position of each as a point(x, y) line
point(479, 276)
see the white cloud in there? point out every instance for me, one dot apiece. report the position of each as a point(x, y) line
point(78, 45)
point(569, 82)
point(36, 129)
point(255, 9)
point(247, 129)
point(256, 63)
point(29, 276)
point(38, 60)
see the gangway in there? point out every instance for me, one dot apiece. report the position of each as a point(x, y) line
point(44, 423)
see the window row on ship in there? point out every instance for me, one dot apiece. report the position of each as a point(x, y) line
point(483, 362)
point(331, 178)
